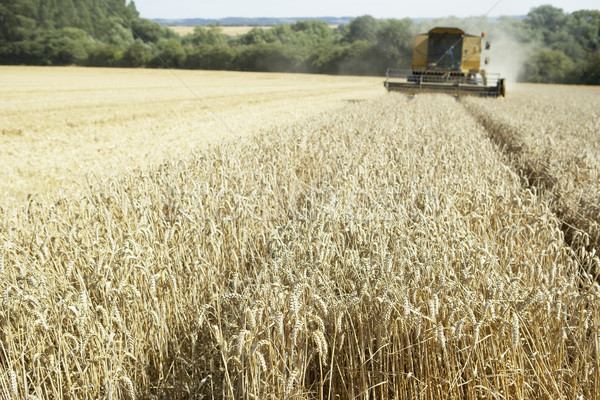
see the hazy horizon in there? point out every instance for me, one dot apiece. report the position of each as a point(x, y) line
point(186, 9)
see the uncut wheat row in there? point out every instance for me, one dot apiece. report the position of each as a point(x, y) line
point(380, 251)
point(552, 133)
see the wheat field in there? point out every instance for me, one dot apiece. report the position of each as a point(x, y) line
point(63, 127)
point(553, 135)
point(390, 248)
point(227, 30)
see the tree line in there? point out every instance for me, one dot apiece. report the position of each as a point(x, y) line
point(549, 44)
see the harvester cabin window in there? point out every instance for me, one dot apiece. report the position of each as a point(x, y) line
point(444, 52)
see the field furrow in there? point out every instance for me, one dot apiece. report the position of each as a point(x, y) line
point(552, 135)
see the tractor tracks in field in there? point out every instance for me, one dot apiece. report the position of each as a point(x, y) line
point(581, 232)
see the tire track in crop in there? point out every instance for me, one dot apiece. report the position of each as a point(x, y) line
point(579, 231)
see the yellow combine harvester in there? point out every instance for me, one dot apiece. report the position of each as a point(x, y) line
point(446, 60)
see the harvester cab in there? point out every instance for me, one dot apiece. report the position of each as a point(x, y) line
point(446, 60)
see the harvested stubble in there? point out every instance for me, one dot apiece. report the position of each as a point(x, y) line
point(553, 136)
point(381, 251)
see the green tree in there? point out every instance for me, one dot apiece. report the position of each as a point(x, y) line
point(210, 35)
point(326, 59)
point(590, 73)
point(395, 42)
point(256, 36)
point(62, 31)
point(584, 26)
point(581, 35)
point(170, 55)
point(546, 21)
point(285, 34)
point(105, 55)
point(151, 32)
point(215, 57)
point(359, 58)
point(137, 54)
point(312, 32)
point(550, 66)
point(285, 59)
point(272, 57)
point(362, 28)
point(117, 33)
point(67, 46)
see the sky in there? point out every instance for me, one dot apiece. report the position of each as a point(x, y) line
point(351, 8)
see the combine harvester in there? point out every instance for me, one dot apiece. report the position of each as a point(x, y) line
point(446, 60)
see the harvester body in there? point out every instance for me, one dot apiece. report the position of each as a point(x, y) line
point(446, 60)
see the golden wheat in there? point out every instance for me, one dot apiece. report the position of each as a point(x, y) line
point(551, 134)
point(62, 128)
point(381, 250)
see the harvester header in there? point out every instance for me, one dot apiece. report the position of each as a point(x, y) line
point(446, 60)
